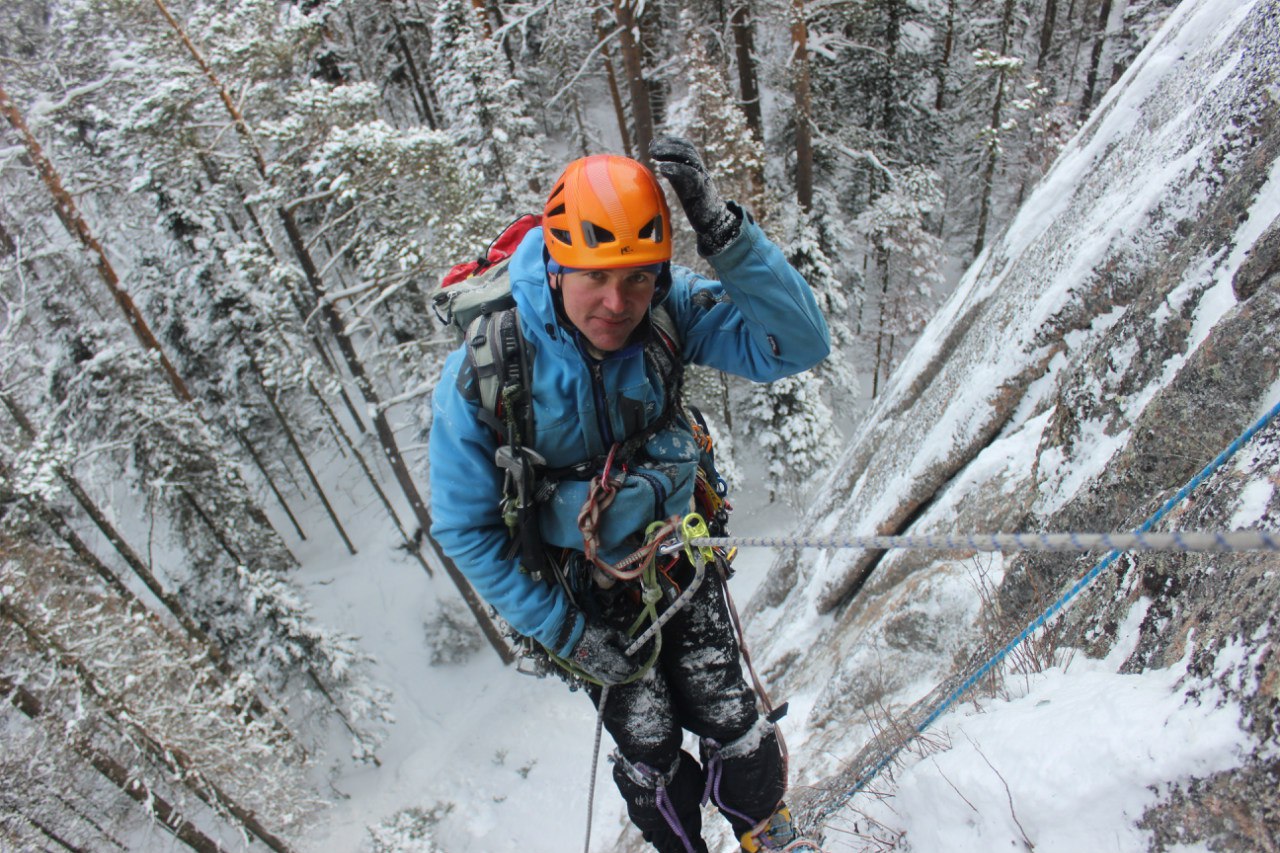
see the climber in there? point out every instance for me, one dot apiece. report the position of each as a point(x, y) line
point(605, 324)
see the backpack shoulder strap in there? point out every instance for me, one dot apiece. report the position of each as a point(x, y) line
point(663, 352)
point(665, 325)
point(499, 359)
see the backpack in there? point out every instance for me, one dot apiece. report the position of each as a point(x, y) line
point(482, 286)
point(476, 301)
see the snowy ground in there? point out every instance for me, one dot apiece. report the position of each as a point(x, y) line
point(1069, 763)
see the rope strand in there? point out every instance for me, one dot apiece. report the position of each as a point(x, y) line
point(1139, 540)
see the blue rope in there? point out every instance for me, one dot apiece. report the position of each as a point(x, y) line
point(1049, 613)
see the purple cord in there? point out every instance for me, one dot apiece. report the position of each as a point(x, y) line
point(715, 770)
point(668, 811)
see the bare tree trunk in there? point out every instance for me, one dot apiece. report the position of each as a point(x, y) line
point(615, 94)
point(943, 65)
point(882, 264)
point(295, 446)
point(748, 77)
point(1046, 32)
point(271, 483)
point(116, 773)
point(584, 145)
point(483, 14)
point(1095, 58)
point(803, 105)
point(889, 85)
point(993, 149)
point(386, 436)
point(421, 101)
point(51, 833)
point(80, 814)
point(69, 214)
point(411, 544)
point(637, 88)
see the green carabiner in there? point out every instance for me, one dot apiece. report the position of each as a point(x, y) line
point(694, 526)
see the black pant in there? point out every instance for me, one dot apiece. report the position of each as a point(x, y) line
point(696, 684)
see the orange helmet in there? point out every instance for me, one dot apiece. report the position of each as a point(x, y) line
point(607, 211)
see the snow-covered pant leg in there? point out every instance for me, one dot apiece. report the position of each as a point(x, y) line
point(745, 778)
point(661, 784)
point(665, 806)
point(696, 684)
point(641, 718)
point(702, 662)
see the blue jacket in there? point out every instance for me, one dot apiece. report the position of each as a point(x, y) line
point(768, 327)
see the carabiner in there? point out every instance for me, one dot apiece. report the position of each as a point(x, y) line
point(694, 526)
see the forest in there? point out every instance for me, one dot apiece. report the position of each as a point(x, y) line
point(221, 225)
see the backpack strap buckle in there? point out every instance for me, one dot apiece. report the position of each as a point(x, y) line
point(520, 491)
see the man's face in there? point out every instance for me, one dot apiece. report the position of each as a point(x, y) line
point(607, 305)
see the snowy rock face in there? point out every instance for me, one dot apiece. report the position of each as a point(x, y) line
point(1123, 331)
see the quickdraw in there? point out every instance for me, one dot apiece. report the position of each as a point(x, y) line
point(692, 526)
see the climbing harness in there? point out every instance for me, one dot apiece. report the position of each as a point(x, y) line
point(659, 540)
point(691, 526)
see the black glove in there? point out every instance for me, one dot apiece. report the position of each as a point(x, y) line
point(714, 222)
point(602, 654)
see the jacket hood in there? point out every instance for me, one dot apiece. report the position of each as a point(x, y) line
point(532, 292)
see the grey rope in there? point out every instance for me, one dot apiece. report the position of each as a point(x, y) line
point(1189, 541)
point(595, 765)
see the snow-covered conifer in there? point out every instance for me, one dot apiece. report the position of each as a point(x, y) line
point(795, 429)
point(489, 119)
point(907, 256)
point(91, 666)
point(704, 110)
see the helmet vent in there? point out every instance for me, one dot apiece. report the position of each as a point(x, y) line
point(558, 210)
point(595, 235)
point(652, 230)
point(562, 235)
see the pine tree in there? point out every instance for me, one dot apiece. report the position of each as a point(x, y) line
point(489, 120)
point(705, 111)
point(908, 257)
point(838, 305)
point(794, 428)
point(91, 667)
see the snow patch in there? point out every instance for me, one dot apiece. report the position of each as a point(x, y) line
point(1084, 741)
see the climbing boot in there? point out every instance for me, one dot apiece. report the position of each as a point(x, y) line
point(773, 833)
